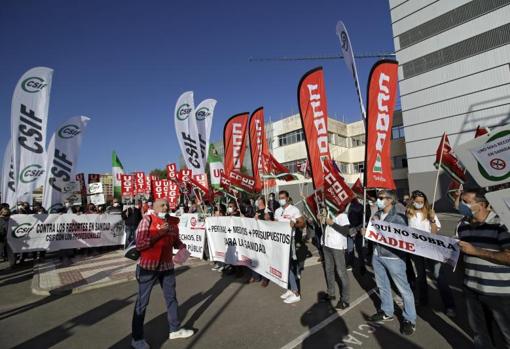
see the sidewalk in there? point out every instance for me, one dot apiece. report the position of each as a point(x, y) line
point(83, 273)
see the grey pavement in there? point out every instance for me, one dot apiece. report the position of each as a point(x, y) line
point(224, 311)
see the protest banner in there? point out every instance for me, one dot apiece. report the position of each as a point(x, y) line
point(95, 188)
point(54, 232)
point(314, 118)
point(62, 157)
point(234, 142)
point(29, 120)
point(191, 144)
point(348, 55)
point(204, 117)
point(97, 199)
point(258, 147)
point(381, 97)
point(487, 157)
point(8, 186)
point(437, 247)
point(173, 195)
point(192, 234)
point(94, 177)
point(140, 183)
point(126, 185)
point(171, 170)
point(263, 246)
point(500, 202)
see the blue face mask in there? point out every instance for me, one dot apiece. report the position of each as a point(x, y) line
point(464, 209)
point(380, 204)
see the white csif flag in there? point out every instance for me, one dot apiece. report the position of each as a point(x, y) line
point(8, 182)
point(187, 133)
point(204, 115)
point(63, 152)
point(29, 117)
point(348, 54)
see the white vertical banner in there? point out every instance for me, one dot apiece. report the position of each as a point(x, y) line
point(29, 117)
point(63, 152)
point(187, 133)
point(8, 181)
point(348, 54)
point(204, 116)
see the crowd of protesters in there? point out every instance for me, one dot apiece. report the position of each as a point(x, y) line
point(484, 242)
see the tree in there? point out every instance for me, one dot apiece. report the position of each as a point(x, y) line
point(159, 173)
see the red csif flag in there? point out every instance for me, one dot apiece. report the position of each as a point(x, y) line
point(382, 92)
point(258, 146)
point(446, 158)
point(234, 142)
point(314, 117)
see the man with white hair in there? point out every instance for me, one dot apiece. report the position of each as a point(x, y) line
point(156, 236)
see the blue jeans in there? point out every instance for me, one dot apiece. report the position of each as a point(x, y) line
point(146, 280)
point(396, 268)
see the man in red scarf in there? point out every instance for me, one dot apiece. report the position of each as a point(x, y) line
point(156, 236)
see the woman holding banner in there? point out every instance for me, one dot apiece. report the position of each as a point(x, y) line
point(421, 216)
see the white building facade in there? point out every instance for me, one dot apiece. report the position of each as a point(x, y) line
point(454, 74)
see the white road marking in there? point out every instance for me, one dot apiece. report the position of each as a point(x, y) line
point(298, 340)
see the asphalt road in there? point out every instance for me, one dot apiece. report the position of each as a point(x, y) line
point(224, 312)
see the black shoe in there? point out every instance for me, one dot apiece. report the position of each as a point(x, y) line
point(407, 328)
point(342, 305)
point(380, 316)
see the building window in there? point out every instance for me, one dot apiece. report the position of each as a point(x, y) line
point(344, 167)
point(399, 161)
point(359, 167)
point(358, 141)
point(291, 138)
point(397, 132)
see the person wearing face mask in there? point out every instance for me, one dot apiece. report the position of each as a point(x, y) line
point(67, 208)
point(421, 216)
point(485, 247)
point(390, 263)
point(290, 213)
point(156, 237)
point(272, 204)
point(132, 215)
point(115, 208)
point(260, 213)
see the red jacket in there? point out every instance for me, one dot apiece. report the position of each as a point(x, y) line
point(159, 255)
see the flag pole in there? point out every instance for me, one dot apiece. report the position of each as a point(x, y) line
point(443, 140)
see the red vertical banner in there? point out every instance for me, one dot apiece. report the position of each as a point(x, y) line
point(80, 177)
point(381, 97)
point(184, 175)
point(171, 172)
point(140, 183)
point(314, 117)
point(258, 146)
point(173, 195)
point(202, 180)
point(234, 142)
point(127, 185)
point(94, 178)
point(158, 189)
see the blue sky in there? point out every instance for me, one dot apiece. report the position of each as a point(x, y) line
point(124, 64)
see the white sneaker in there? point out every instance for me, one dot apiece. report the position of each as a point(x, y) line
point(140, 344)
point(182, 333)
point(287, 294)
point(292, 299)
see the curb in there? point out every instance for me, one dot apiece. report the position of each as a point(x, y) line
point(80, 289)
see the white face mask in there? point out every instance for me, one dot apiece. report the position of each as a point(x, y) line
point(418, 206)
point(230, 210)
point(115, 204)
point(162, 215)
point(380, 204)
point(282, 202)
point(67, 205)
